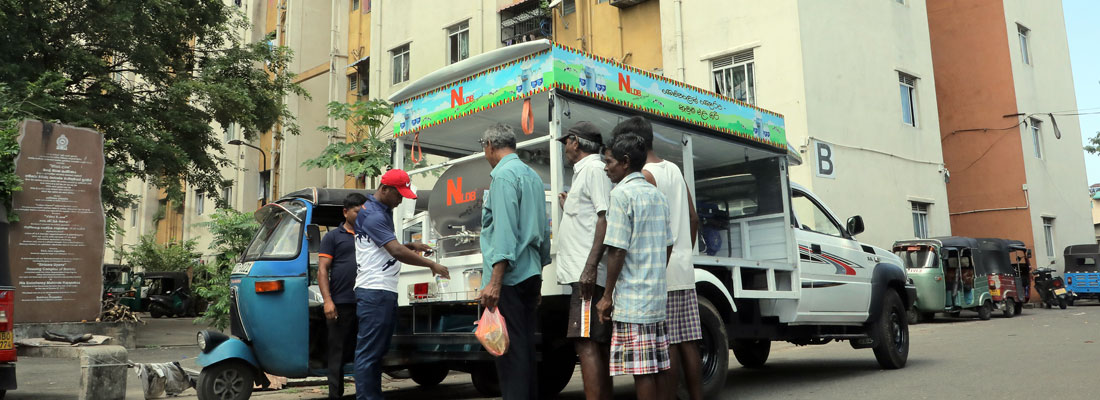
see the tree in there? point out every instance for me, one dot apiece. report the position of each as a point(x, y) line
point(1094, 144)
point(365, 154)
point(174, 256)
point(151, 76)
point(232, 232)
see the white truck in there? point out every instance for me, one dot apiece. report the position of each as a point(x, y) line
point(773, 262)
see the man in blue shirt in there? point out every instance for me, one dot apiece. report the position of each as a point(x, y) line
point(515, 245)
point(336, 278)
point(379, 256)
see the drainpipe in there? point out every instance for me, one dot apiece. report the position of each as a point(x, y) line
point(1027, 204)
point(333, 22)
point(678, 26)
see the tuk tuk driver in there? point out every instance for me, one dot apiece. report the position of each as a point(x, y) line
point(379, 257)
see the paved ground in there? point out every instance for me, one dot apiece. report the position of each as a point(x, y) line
point(949, 359)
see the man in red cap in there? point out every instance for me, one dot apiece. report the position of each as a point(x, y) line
point(379, 257)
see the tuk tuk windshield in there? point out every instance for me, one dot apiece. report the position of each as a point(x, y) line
point(917, 256)
point(280, 234)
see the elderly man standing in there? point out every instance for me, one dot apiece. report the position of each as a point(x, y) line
point(515, 245)
point(580, 255)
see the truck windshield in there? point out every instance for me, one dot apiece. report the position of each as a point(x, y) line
point(280, 234)
point(917, 256)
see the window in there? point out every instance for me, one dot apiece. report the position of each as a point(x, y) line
point(811, 217)
point(400, 64)
point(908, 85)
point(458, 42)
point(199, 200)
point(353, 82)
point(357, 83)
point(1048, 230)
point(1025, 51)
point(568, 7)
point(354, 5)
point(366, 7)
point(920, 220)
point(1036, 131)
point(133, 216)
point(227, 196)
point(734, 76)
point(231, 131)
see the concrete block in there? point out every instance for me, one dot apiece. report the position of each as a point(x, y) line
point(123, 333)
point(103, 373)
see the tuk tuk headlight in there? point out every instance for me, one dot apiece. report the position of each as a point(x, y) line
point(208, 340)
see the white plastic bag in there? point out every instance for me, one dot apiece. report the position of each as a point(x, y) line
point(492, 332)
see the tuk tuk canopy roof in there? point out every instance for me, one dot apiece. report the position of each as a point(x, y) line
point(517, 72)
point(990, 255)
point(1082, 258)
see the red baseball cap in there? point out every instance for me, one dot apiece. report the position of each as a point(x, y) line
point(400, 180)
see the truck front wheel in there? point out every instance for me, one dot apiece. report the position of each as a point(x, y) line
point(713, 349)
point(429, 374)
point(891, 333)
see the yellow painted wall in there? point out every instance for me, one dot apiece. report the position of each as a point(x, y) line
point(631, 35)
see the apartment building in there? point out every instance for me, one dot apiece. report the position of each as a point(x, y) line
point(1003, 76)
point(852, 78)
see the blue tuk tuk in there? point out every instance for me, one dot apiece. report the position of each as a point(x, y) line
point(276, 316)
point(1083, 270)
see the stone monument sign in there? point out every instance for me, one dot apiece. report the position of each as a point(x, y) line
point(56, 247)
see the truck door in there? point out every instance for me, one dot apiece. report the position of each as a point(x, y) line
point(836, 272)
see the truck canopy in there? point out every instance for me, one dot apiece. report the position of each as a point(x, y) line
point(733, 155)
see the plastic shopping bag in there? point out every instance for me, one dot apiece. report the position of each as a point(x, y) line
point(492, 333)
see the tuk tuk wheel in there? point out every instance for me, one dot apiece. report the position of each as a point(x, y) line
point(927, 316)
point(891, 333)
point(1018, 308)
point(229, 380)
point(913, 316)
point(1009, 310)
point(985, 311)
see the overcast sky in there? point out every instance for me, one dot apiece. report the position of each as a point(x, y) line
point(1084, 42)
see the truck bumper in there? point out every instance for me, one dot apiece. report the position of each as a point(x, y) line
point(7, 376)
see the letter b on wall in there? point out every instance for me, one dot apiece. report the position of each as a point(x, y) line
point(826, 166)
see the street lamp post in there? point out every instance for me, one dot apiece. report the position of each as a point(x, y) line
point(238, 142)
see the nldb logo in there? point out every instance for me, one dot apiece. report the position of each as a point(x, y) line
point(457, 98)
point(455, 193)
point(624, 85)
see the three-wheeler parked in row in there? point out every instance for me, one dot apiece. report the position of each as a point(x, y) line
point(950, 274)
point(1083, 271)
point(1008, 270)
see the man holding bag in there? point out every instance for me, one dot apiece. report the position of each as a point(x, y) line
point(515, 245)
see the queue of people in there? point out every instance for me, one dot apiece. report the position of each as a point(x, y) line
point(625, 243)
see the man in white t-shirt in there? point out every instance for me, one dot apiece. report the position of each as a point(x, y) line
point(682, 307)
point(580, 255)
point(378, 256)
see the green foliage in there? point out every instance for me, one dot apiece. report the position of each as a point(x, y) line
point(151, 75)
point(175, 256)
point(365, 153)
point(1094, 144)
point(232, 231)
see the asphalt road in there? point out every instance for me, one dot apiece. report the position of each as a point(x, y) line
point(1041, 354)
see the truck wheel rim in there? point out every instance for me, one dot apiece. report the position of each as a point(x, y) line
point(228, 384)
point(898, 334)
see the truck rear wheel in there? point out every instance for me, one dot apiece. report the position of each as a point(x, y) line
point(752, 353)
point(429, 374)
point(485, 380)
point(891, 333)
point(555, 370)
point(713, 349)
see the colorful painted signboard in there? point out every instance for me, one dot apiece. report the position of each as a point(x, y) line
point(606, 80)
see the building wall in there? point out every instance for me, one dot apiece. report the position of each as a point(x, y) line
point(998, 187)
point(835, 85)
point(1057, 181)
point(629, 35)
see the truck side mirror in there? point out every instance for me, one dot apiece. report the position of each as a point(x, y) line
point(313, 235)
point(855, 225)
